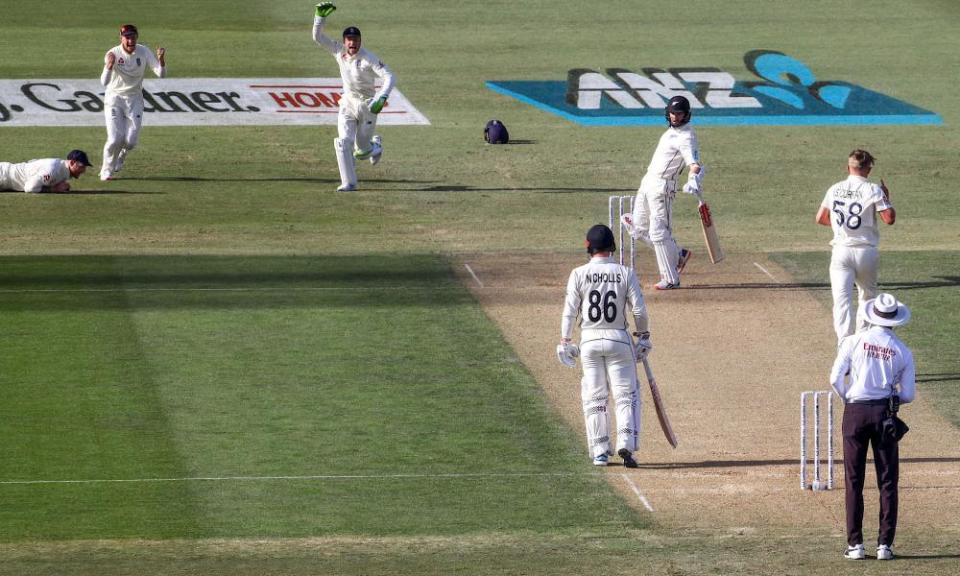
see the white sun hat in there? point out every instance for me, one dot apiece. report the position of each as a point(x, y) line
point(885, 310)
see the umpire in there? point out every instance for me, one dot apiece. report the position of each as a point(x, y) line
point(873, 373)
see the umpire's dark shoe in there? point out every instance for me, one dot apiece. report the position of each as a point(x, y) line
point(628, 461)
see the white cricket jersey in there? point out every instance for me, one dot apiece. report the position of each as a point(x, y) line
point(360, 72)
point(33, 176)
point(878, 363)
point(599, 292)
point(126, 77)
point(853, 205)
point(678, 147)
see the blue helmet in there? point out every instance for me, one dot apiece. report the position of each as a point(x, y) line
point(496, 133)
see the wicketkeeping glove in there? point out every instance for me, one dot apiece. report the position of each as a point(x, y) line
point(567, 354)
point(325, 9)
point(643, 345)
point(378, 104)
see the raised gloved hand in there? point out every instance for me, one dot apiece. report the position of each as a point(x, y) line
point(567, 354)
point(378, 104)
point(643, 345)
point(325, 9)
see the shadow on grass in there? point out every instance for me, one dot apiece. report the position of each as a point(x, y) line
point(924, 378)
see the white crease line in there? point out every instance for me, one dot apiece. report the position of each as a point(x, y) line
point(308, 477)
point(470, 270)
point(765, 271)
point(643, 500)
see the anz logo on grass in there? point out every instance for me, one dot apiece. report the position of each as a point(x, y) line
point(787, 94)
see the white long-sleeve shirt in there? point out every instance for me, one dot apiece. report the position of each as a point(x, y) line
point(880, 365)
point(678, 147)
point(33, 176)
point(599, 292)
point(126, 77)
point(359, 72)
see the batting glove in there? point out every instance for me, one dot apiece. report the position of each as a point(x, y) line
point(692, 187)
point(325, 9)
point(378, 104)
point(643, 345)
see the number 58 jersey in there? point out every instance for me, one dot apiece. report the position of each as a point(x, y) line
point(853, 205)
point(603, 292)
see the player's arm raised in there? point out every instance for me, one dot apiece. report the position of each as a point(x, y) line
point(323, 10)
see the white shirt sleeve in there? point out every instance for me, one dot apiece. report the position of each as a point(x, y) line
point(908, 378)
point(571, 307)
point(107, 73)
point(322, 39)
point(841, 366)
point(635, 296)
point(690, 148)
point(154, 63)
point(385, 74)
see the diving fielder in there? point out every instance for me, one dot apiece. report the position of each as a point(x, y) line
point(600, 292)
point(45, 175)
point(652, 216)
point(123, 70)
point(851, 208)
point(361, 102)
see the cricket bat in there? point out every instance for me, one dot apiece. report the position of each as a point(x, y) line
point(710, 233)
point(658, 405)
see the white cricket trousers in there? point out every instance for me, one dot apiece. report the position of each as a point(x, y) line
point(355, 128)
point(124, 116)
point(653, 218)
point(849, 266)
point(609, 365)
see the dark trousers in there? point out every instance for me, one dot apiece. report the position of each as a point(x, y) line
point(862, 427)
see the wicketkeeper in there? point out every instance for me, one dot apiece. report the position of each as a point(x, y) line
point(361, 101)
point(600, 292)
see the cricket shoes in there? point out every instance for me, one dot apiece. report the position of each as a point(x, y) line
point(664, 285)
point(347, 188)
point(854, 552)
point(628, 460)
point(377, 149)
point(106, 175)
point(601, 460)
point(685, 256)
point(884, 552)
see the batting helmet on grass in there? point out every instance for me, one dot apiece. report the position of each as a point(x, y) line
point(496, 133)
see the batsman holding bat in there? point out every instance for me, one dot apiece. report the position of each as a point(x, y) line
point(600, 292)
point(652, 216)
point(361, 102)
point(851, 208)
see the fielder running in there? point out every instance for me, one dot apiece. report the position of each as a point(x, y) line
point(854, 204)
point(123, 70)
point(599, 292)
point(45, 175)
point(880, 368)
point(360, 103)
point(652, 216)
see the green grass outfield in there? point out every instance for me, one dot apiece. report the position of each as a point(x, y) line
point(220, 313)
